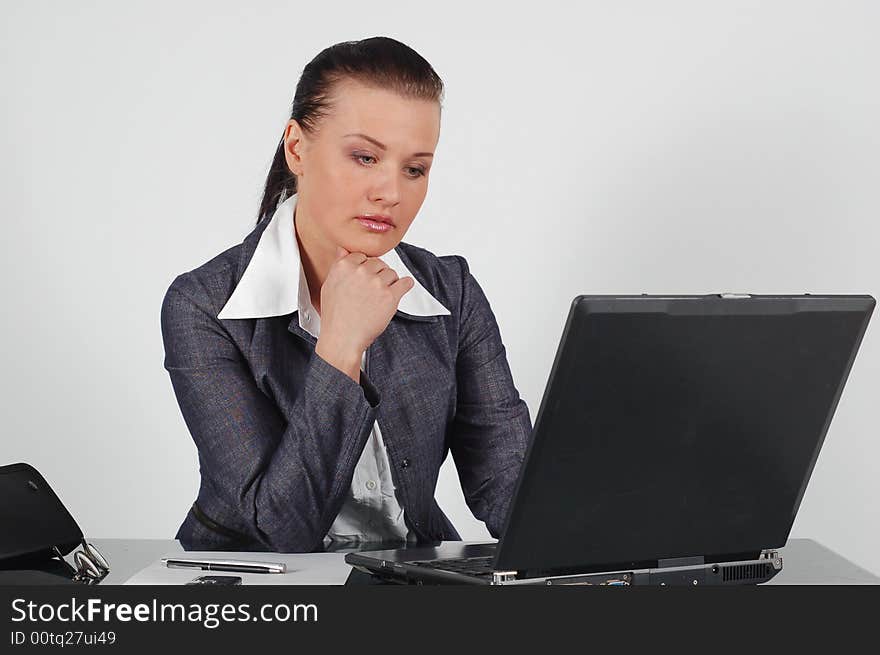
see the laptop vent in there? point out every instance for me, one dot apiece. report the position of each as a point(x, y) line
point(745, 572)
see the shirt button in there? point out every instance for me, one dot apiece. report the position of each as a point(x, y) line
point(307, 317)
point(371, 485)
point(404, 463)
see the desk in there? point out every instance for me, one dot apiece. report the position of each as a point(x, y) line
point(805, 561)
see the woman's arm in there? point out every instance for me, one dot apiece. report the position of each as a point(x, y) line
point(283, 470)
point(492, 427)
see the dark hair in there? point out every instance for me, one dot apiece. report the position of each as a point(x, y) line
point(377, 61)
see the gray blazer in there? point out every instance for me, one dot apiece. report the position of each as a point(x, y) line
point(279, 430)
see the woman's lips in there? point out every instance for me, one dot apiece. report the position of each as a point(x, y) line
point(375, 224)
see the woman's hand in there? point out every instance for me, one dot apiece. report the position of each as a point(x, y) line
point(358, 299)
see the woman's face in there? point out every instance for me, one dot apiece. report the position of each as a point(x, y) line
point(371, 155)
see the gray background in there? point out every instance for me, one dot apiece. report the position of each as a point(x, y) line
point(612, 148)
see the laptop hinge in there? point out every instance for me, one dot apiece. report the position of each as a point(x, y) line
point(680, 561)
point(499, 577)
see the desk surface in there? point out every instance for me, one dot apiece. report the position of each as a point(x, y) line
point(805, 561)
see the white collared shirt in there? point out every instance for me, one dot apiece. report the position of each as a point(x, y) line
point(274, 284)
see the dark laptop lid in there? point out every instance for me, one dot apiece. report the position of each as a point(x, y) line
point(679, 427)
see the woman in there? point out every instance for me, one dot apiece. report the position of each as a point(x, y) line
point(323, 367)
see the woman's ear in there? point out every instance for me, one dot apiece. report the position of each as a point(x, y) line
point(293, 147)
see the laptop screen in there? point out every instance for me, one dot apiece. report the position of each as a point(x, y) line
point(678, 427)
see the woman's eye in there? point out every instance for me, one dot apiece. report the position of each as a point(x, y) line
point(367, 160)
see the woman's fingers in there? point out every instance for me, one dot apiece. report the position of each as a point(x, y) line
point(356, 305)
point(373, 265)
point(400, 287)
point(388, 276)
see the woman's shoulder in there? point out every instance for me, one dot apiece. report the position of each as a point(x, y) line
point(211, 283)
point(426, 261)
point(208, 284)
point(444, 276)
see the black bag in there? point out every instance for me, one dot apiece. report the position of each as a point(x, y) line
point(37, 531)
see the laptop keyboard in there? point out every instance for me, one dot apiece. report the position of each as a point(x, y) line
point(467, 565)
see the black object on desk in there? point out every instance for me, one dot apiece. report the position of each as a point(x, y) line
point(38, 532)
point(216, 580)
point(674, 443)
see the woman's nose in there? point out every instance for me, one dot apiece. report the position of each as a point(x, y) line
point(386, 188)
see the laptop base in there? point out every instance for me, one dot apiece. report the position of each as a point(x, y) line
point(428, 566)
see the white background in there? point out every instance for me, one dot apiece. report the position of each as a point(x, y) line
point(620, 147)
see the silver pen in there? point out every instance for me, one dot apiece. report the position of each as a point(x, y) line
point(239, 566)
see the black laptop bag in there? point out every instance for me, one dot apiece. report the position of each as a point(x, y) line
point(36, 530)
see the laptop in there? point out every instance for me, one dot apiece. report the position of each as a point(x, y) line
point(673, 445)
